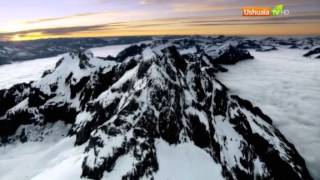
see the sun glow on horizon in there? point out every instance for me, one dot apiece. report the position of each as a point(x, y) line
point(84, 18)
point(28, 36)
point(237, 30)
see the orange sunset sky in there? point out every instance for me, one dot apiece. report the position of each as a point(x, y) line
point(40, 19)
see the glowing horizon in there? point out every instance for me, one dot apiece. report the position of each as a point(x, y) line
point(40, 19)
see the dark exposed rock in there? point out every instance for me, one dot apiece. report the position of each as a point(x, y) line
point(53, 87)
point(83, 134)
point(232, 55)
point(79, 86)
point(13, 96)
point(178, 61)
point(266, 48)
point(84, 58)
point(59, 62)
point(109, 57)
point(215, 68)
point(37, 98)
point(129, 52)
point(23, 138)
point(13, 121)
point(54, 112)
point(143, 68)
point(220, 100)
point(198, 133)
point(294, 47)
point(312, 52)
point(249, 44)
point(169, 126)
point(9, 127)
point(255, 110)
point(46, 72)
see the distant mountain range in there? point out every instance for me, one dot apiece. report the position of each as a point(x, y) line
point(28, 50)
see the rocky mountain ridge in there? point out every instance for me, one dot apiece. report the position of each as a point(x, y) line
point(122, 106)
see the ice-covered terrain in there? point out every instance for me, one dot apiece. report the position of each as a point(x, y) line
point(171, 157)
point(54, 158)
point(286, 86)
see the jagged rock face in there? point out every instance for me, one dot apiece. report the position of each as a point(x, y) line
point(250, 44)
point(122, 106)
point(313, 52)
point(232, 55)
point(8, 99)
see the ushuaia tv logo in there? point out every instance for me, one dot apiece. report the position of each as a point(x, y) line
point(265, 11)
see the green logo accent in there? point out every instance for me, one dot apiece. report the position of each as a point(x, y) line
point(277, 10)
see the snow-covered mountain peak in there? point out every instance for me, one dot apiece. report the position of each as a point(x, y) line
point(153, 97)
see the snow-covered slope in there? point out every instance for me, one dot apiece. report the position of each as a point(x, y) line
point(287, 87)
point(54, 157)
point(31, 70)
point(130, 113)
